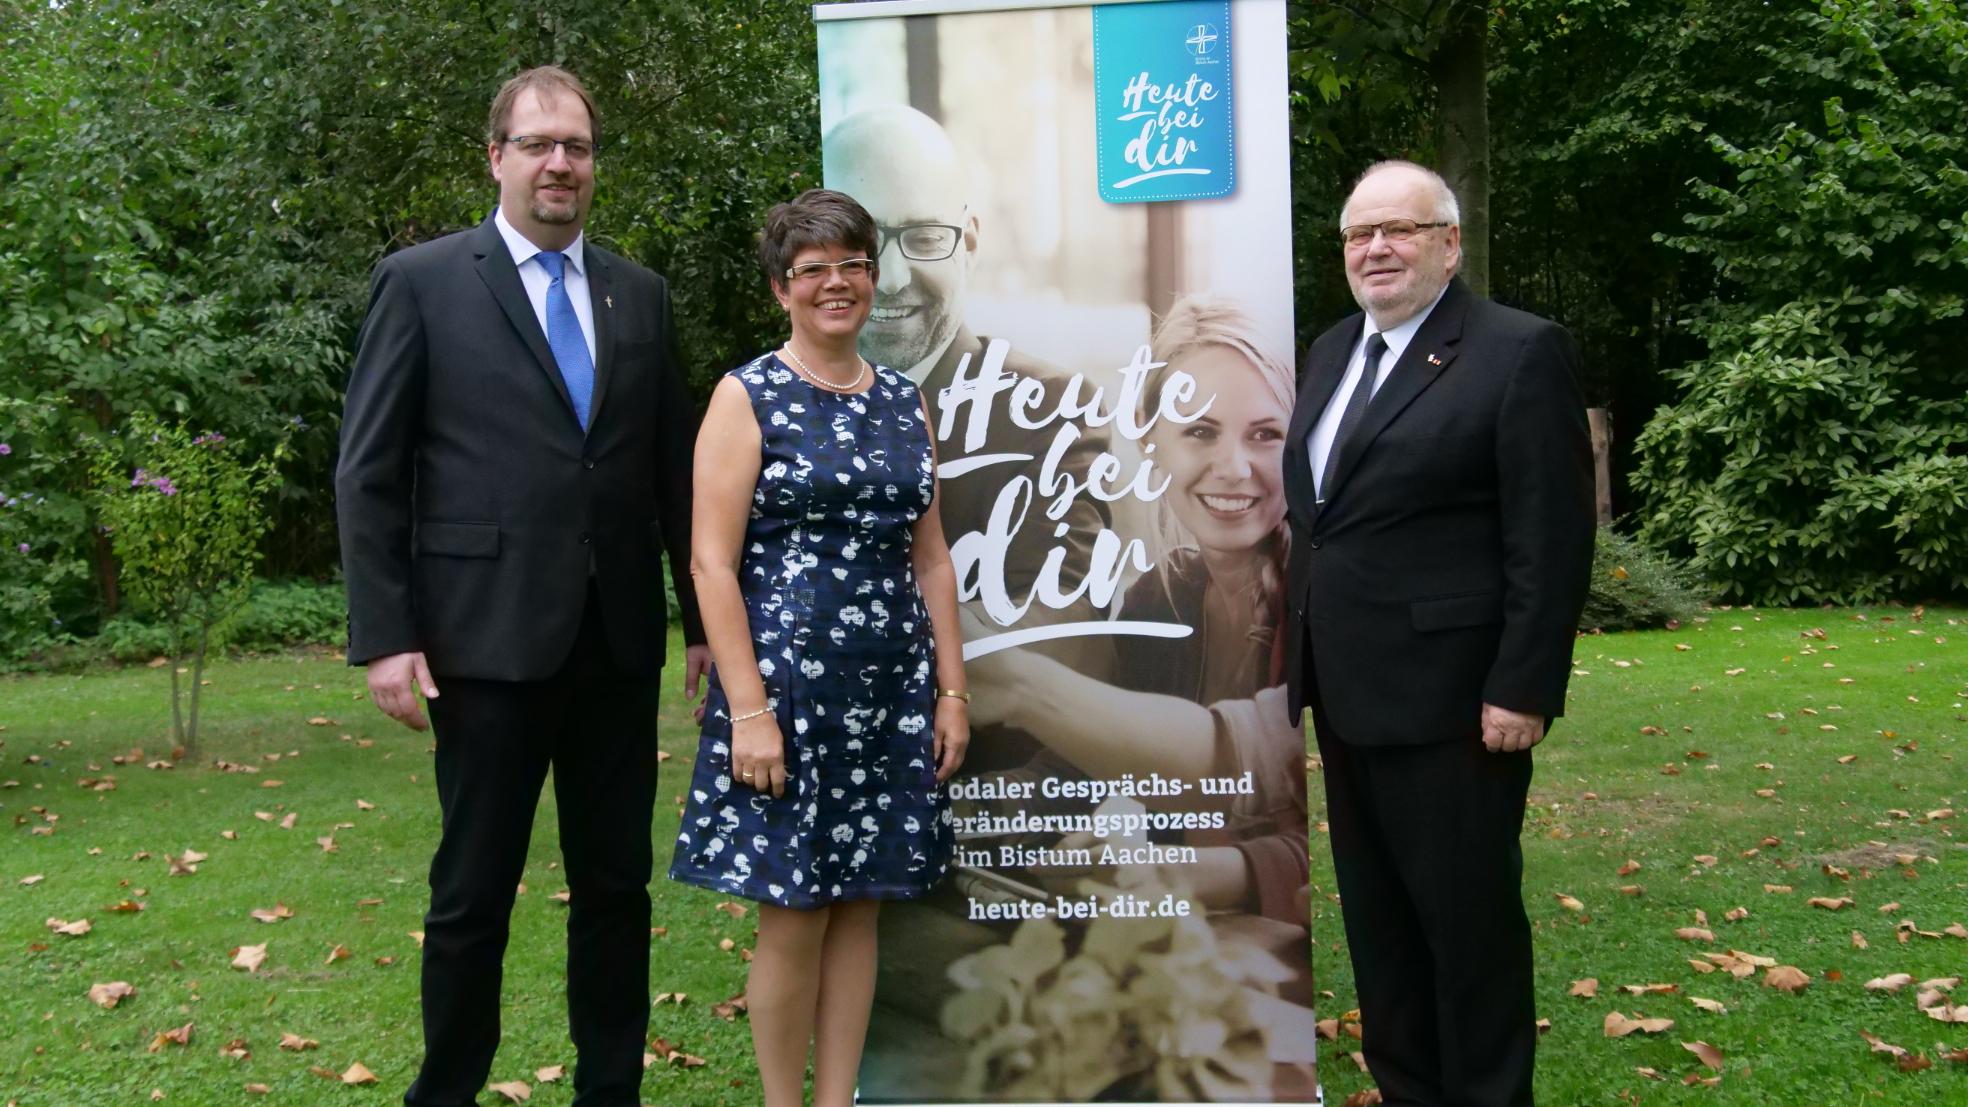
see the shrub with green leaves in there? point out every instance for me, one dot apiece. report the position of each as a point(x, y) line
point(1636, 587)
point(185, 513)
point(1820, 451)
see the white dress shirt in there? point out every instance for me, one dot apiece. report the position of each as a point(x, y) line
point(537, 280)
point(1319, 443)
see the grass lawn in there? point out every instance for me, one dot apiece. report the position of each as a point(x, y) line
point(1604, 794)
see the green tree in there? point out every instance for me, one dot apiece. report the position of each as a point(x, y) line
point(186, 523)
point(1819, 451)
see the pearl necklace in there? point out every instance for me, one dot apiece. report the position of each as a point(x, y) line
point(824, 382)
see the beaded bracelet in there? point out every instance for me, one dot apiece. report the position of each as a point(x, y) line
point(750, 715)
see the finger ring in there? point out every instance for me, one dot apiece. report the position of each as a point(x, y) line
point(745, 776)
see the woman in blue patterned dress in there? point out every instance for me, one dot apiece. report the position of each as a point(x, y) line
point(837, 708)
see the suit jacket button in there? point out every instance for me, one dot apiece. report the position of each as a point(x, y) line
point(587, 463)
point(1314, 543)
point(584, 538)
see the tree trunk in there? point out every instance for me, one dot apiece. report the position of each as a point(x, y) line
point(197, 683)
point(1462, 131)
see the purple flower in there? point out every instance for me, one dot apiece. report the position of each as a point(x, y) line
point(142, 478)
point(164, 485)
point(5, 449)
point(24, 547)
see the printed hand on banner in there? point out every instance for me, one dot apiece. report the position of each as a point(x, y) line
point(992, 679)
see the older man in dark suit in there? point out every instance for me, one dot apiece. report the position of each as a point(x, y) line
point(1438, 471)
point(515, 461)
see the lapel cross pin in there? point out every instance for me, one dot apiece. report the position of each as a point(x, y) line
point(610, 301)
point(1433, 360)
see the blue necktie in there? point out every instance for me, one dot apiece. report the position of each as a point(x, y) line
point(564, 337)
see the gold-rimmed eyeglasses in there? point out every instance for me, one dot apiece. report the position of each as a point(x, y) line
point(1393, 230)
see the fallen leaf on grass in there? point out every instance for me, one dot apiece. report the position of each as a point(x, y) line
point(1786, 978)
point(364, 805)
point(107, 996)
point(735, 910)
point(1891, 983)
point(1650, 989)
point(1881, 1046)
point(1859, 941)
point(1829, 903)
point(737, 1005)
point(1587, 988)
point(1941, 1012)
point(416, 936)
point(1708, 1054)
point(1619, 1026)
point(675, 1056)
point(181, 864)
point(547, 1074)
point(1569, 903)
point(1777, 889)
point(1629, 868)
point(294, 1043)
point(1632, 890)
point(30, 881)
point(562, 897)
point(288, 820)
point(1713, 1007)
point(1366, 1097)
point(1736, 914)
point(1941, 983)
point(259, 1089)
point(358, 1073)
point(69, 929)
point(272, 914)
point(249, 958)
point(512, 1091)
point(1694, 934)
point(1651, 1074)
point(180, 1036)
point(668, 997)
point(336, 954)
point(235, 1050)
point(326, 842)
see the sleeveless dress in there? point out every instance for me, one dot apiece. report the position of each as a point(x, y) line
point(844, 647)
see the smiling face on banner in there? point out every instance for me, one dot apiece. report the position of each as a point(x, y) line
point(901, 166)
point(1226, 472)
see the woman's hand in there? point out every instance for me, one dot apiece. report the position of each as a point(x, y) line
point(952, 735)
point(758, 754)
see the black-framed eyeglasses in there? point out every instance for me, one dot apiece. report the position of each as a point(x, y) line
point(851, 268)
point(540, 146)
point(920, 241)
point(1393, 230)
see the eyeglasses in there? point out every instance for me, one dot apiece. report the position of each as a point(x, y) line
point(540, 146)
point(920, 241)
point(851, 268)
point(1393, 230)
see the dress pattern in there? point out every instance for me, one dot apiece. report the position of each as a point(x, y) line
point(844, 648)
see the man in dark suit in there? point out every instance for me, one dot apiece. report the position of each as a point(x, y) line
point(515, 461)
point(1438, 472)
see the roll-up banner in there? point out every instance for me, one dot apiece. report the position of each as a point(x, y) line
point(1085, 243)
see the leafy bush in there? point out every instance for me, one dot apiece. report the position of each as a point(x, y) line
point(279, 614)
point(1819, 453)
point(186, 524)
point(1635, 587)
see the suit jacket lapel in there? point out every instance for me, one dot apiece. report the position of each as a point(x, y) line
point(1428, 354)
point(495, 268)
point(600, 295)
point(1325, 368)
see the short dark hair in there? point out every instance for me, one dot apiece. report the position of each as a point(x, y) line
point(547, 81)
point(816, 217)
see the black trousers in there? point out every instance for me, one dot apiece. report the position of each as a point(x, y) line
point(595, 726)
point(1425, 846)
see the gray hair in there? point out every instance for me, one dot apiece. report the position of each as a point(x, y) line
point(1446, 208)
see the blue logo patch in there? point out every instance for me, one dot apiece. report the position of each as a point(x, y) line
point(1161, 79)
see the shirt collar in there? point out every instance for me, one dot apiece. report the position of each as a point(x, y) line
point(522, 248)
point(1397, 338)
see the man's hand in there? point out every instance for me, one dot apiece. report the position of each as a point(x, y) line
point(696, 666)
point(1507, 731)
point(394, 682)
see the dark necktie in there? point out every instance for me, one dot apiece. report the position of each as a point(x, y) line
point(564, 337)
point(1356, 408)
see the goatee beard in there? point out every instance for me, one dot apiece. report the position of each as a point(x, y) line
point(554, 216)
